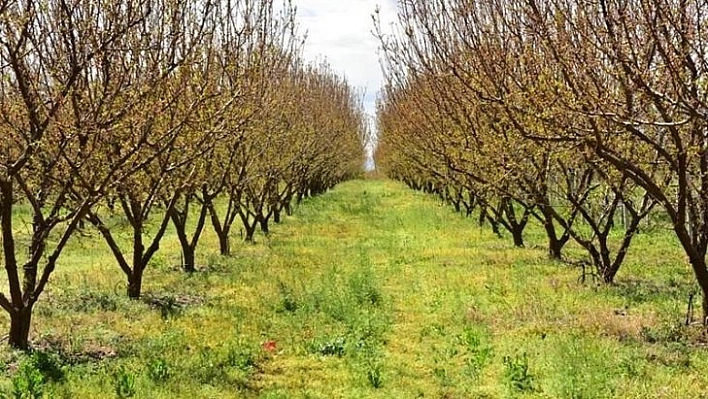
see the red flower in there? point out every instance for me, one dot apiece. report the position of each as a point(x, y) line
point(269, 346)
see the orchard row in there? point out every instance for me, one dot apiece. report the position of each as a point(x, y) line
point(587, 116)
point(157, 111)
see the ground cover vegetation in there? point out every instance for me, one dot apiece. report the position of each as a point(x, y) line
point(588, 117)
point(369, 290)
point(121, 117)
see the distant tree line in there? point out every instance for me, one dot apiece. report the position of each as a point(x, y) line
point(577, 114)
point(159, 110)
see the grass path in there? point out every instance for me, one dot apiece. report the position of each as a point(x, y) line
point(468, 315)
point(371, 290)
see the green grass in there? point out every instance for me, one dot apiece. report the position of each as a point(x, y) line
point(370, 290)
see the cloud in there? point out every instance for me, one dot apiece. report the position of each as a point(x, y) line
point(341, 32)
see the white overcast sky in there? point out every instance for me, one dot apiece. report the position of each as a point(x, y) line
point(340, 31)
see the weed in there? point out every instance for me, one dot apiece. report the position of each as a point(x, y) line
point(98, 300)
point(168, 305)
point(583, 369)
point(49, 365)
point(364, 289)
point(517, 376)
point(330, 347)
point(158, 370)
point(477, 354)
point(288, 301)
point(631, 367)
point(668, 332)
point(208, 368)
point(124, 383)
point(28, 383)
point(241, 358)
point(442, 374)
point(374, 374)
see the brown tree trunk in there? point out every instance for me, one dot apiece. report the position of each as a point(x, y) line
point(222, 230)
point(555, 247)
point(700, 269)
point(250, 231)
point(555, 243)
point(518, 234)
point(265, 228)
point(224, 243)
point(135, 282)
point(19, 328)
point(189, 247)
point(188, 264)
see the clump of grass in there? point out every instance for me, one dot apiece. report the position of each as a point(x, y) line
point(28, 382)
point(336, 346)
point(124, 383)
point(158, 370)
point(365, 289)
point(288, 301)
point(477, 353)
point(517, 375)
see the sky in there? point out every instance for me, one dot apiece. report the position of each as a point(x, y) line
point(340, 31)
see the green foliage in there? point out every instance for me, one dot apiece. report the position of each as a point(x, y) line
point(336, 346)
point(669, 332)
point(93, 301)
point(288, 302)
point(364, 288)
point(242, 358)
point(478, 354)
point(167, 305)
point(374, 374)
point(49, 364)
point(28, 383)
point(158, 370)
point(517, 376)
point(124, 383)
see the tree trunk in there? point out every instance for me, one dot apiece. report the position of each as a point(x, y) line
point(276, 214)
point(20, 328)
point(518, 233)
point(555, 247)
point(189, 247)
point(555, 244)
point(250, 231)
point(608, 275)
point(135, 282)
point(264, 225)
point(188, 259)
point(495, 226)
point(482, 216)
point(224, 243)
point(700, 270)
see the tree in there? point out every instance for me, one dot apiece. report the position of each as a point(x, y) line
point(50, 145)
point(492, 102)
point(163, 71)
